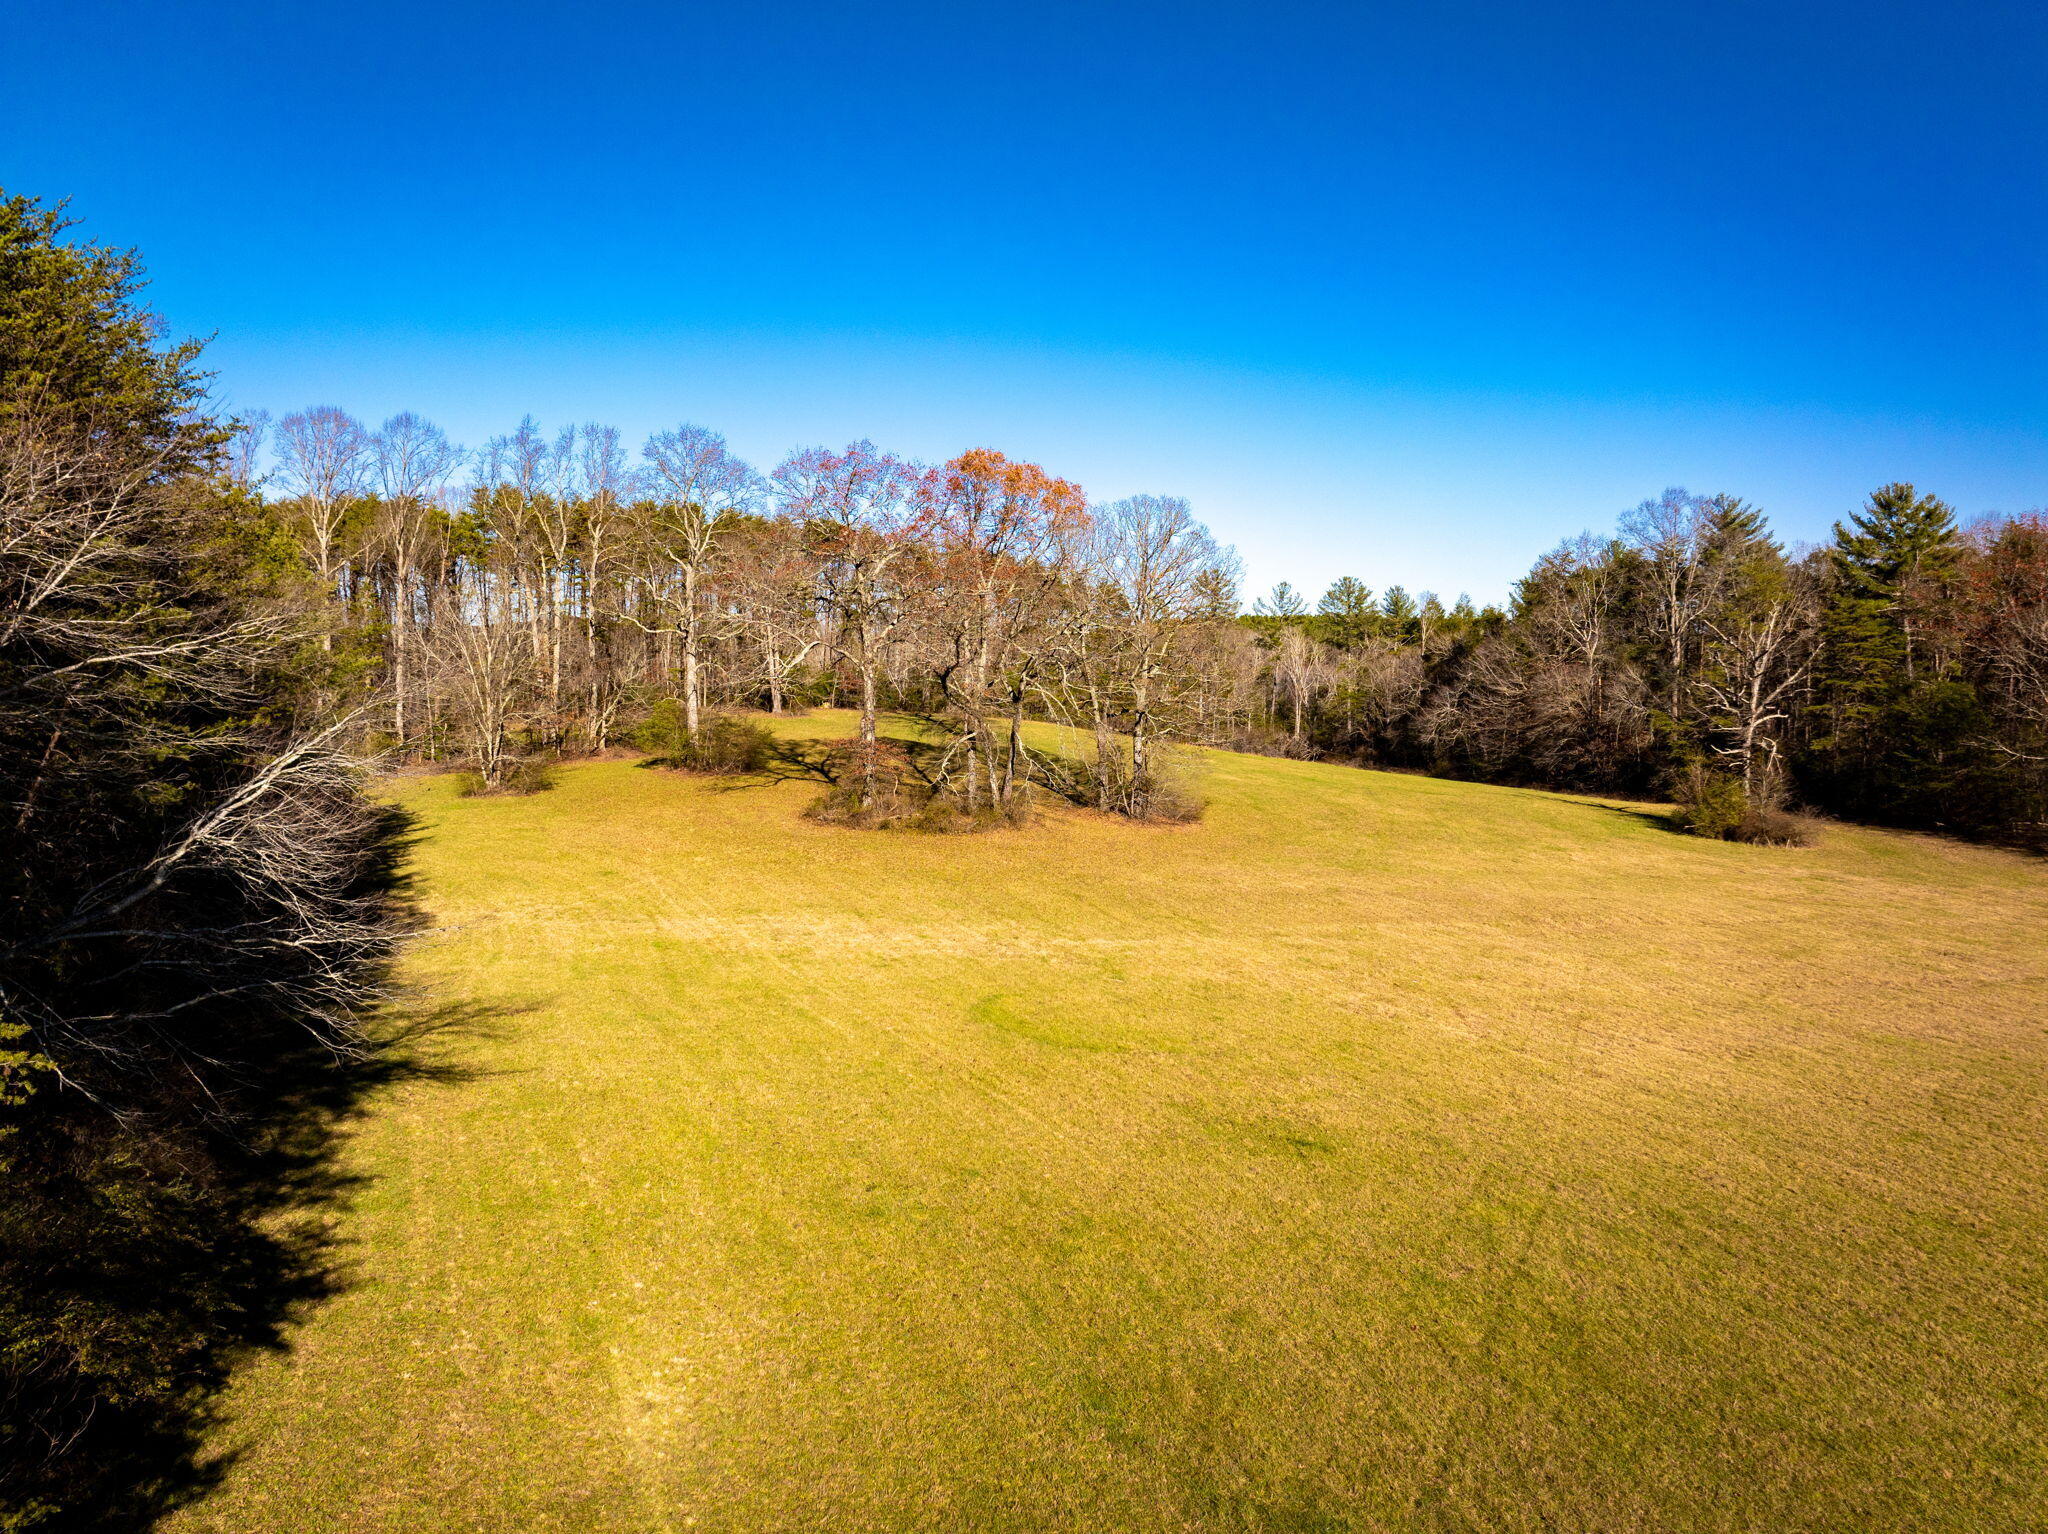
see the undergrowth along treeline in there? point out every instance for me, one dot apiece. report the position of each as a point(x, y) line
point(544, 594)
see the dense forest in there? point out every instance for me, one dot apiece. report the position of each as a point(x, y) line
point(552, 593)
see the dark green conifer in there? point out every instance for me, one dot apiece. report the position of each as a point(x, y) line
point(1888, 567)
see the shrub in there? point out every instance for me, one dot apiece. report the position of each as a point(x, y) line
point(530, 775)
point(1710, 804)
point(872, 787)
point(876, 788)
point(722, 743)
point(1768, 827)
point(534, 775)
point(725, 744)
point(1165, 799)
point(1715, 805)
point(947, 816)
point(661, 733)
point(1163, 794)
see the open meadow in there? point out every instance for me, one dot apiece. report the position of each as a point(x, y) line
point(1382, 1153)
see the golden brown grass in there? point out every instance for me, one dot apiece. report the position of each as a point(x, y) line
point(1382, 1153)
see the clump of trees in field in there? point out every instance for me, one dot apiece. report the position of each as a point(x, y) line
point(568, 595)
point(196, 900)
point(546, 593)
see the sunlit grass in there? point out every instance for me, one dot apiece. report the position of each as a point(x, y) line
point(1381, 1153)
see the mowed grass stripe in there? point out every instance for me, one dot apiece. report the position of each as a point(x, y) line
point(1382, 1153)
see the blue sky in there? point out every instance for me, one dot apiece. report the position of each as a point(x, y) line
point(1407, 292)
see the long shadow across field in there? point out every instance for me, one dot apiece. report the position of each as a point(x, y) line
point(807, 761)
point(227, 1254)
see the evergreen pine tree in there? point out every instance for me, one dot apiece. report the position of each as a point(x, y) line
point(1398, 613)
point(1734, 527)
point(1346, 613)
point(1887, 567)
point(1894, 738)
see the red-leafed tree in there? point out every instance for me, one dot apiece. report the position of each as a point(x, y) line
point(1004, 535)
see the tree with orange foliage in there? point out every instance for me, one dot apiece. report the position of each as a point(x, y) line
point(1003, 533)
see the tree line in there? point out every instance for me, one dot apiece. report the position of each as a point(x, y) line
point(544, 593)
point(1896, 674)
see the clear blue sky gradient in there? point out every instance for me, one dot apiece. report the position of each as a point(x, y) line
point(1402, 291)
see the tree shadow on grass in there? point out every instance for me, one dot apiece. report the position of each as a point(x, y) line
point(1655, 819)
point(801, 760)
point(827, 763)
point(809, 761)
point(142, 1269)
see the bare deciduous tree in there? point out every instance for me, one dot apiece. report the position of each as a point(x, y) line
point(864, 522)
point(324, 463)
point(1156, 573)
point(699, 486)
point(413, 463)
point(1003, 533)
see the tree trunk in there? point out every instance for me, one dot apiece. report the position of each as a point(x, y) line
point(1141, 722)
point(690, 648)
point(401, 621)
point(398, 690)
point(599, 726)
point(1016, 745)
point(555, 656)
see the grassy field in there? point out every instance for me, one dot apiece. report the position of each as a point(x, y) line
point(1382, 1153)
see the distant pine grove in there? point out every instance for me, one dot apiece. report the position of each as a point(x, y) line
point(552, 594)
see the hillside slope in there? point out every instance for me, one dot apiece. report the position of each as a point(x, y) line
point(1382, 1153)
